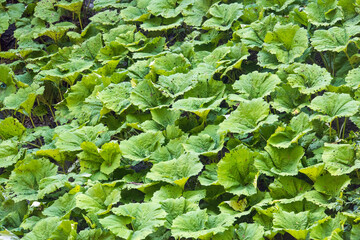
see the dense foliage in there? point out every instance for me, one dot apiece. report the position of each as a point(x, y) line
point(176, 119)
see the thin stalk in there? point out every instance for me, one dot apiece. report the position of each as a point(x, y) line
point(347, 55)
point(52, 114)
point(61, 98)
point(34, 145)
point(344, 126)
point(32, 122)
point(337, 126)
point(81, 27)
point(324, 60)
point(330, 130)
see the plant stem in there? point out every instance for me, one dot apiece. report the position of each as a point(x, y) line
point(338, 126)
point(52, 114)
point(81, 27)
point(32, 122)
point(344, 126)
point(330, 130)
point(347, 55)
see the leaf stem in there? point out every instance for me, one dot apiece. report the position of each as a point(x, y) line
point(347, 55)
point(344, 126)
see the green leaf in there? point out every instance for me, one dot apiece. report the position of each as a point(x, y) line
point(167, 8)
point(284, 137)
point(11, 127)
point(145, 218)
point(115, 97)
point(285, 42)
point(176, 171)
point(24, 98)
point(333, 105)
point(99, 198)
point(250, 231)
point(194, 13)
point(323, 13)
point(223, 16)
point(248, 117)
point(52, 228)
point(340, 159)
point(62, 206)
point(237, 172)
point(296, 224)
point(169, 64)
point(71, 139)
point(176, 207)
point(25, 179)
point(309, 79)
point(140, 147)
point(288, 99)
point(352, 79)
point(254, 34)
point(73, 6)
point(256, 85)
point(134, 14)
point(198, 224)
point(280, 161)
point(331, 228)
point(9, 153)
point(56, 31)
point(335, 39)
point(45, 10)
point(146, 96)
point(288, 189)
point(275, 5)
point(331, 185)
point(117, 225)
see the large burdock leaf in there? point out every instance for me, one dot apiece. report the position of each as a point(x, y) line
point(296, 224)
point(340, 159)
point(24, 99)
point(331, 228)
point(176, 171)
point(288, 99)
point(11, 127)
point(309, 79)
point(52, 228)
point(280, 161)
point(146, 96)
point(115, 97)
point(56, 31)
point(333, 105)
point(288, 189)
point(250, 231)
point(99, 198)
point(323, 12)
point(71, 139)
point(167, 8)
point(169, 64)
point(248, 117)
point(286, 42)
point(7, 83)
point(140, 147)
point(177, 207)
point(161, 24)
point(207, 143)
point(276, 5)
point(62, 206)
point(352, 78)
point(176, 84)
point(9, 153)
point(331, 185)
point(254, 34)
point(198, 224)
point(206, 95)
point(335, 39)
point(237, 172)
point(25, 179)
point(194, 13)
point(256, 85)
point(145, 218)
point(73, 6)
point(45, 10)
point(223, 16)
point(285, 136)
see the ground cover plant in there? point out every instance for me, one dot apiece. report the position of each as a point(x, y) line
point(179, 119)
